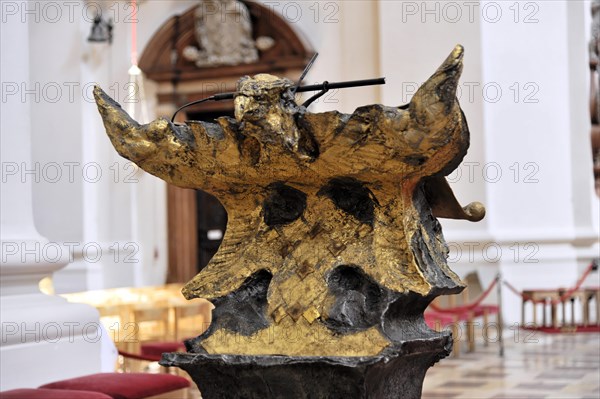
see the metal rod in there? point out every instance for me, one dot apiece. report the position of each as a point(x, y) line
point(500, 319)
point(304, 72)
point(320, 86)
point(343, 85)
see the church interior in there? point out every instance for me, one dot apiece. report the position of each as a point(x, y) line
point(96, 250)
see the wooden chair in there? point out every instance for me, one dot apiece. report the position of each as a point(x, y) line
point(150, 324)
point(116, 318)
point(163, 328)
point(191, 318)
point(458, 307)
point(483, 310)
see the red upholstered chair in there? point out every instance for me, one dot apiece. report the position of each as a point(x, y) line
point(149, 352)
point(51, 394)
point(162, 328)
point(124, 385)
point(156, 349)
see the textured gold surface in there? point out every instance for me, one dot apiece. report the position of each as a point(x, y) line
point(297, 339)
point(389, 149)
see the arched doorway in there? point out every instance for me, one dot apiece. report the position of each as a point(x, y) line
point(196, 221)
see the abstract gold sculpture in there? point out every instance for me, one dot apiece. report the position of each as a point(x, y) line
point(332, 245)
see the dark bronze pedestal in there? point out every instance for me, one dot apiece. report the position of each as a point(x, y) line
point(396, 373)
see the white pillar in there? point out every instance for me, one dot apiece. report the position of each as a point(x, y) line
point(125, 210)
point(537, 133)
point(415, 38)
point(122, 214)
point(44, 338)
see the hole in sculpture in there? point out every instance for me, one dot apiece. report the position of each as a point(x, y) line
point(351, 196)
point(283, 205)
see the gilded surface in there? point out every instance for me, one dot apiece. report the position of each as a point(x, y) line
point(308, 193)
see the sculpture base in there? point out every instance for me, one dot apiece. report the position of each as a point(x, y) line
point(397, 372)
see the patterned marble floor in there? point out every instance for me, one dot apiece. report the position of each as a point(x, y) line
point(535, 365)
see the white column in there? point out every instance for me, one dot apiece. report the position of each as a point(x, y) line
point(537, 133)
point(415, 38)
point(125, 210)
point(44, 338)
point(122, 219)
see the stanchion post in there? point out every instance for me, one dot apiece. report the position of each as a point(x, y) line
point(500, 321)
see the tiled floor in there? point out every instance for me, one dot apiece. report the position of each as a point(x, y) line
point(535, 365)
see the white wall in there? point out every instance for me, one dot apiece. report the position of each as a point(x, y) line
point(415, 39)
point(542, 135)
point(119, 212)
point(555, 212)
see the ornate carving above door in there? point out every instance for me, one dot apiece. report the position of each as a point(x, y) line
point(285, 53)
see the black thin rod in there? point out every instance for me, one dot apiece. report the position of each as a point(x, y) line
point(314, 98)
point(343, 85)
point(320, 86)
point(190, 104)
point(304, 72)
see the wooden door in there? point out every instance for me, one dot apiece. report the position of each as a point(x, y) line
point(183, 234)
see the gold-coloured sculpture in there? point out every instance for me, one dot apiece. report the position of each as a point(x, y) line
point(315, 197)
